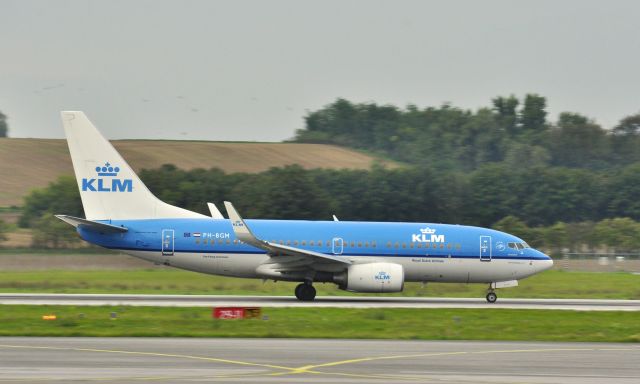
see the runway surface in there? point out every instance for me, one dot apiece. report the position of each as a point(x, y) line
point(322, 301)
point(308, 361)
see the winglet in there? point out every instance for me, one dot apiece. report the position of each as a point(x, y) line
point(243, 233)
point(215, 212)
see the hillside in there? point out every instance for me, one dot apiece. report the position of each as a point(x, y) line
point(33, 163)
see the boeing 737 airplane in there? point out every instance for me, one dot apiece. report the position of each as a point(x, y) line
point(377, 257)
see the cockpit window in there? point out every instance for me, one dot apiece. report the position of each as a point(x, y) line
point(512, 245)
point(526, 245)
point(520, 245)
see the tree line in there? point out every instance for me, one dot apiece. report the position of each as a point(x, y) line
point(562, 199)
point(510, 131)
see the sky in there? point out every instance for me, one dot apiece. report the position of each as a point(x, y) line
point(251, 70)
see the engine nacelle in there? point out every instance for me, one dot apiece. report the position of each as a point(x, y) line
point(372, 278)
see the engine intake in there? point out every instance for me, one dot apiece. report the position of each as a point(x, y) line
point(372, 278)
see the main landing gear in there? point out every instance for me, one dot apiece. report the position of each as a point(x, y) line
point(305, 292)
point(491, 296)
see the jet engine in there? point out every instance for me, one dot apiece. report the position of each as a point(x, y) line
point(372, 278)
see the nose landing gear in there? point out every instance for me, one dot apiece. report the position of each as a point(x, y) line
point(492, 297)
point(305, 292)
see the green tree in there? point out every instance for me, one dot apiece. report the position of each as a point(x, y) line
point(514, 226)
point(50, 232)
point(494, 194)
point(4, 228)
point(507, 110)
point(533, 116)
point(577, 141)
point(624, 194)
point(625, 140)
point(289, 193)
point(556, 237)
point(621, 234)
point(580, 235)
point(4, 127)
point(60, 197)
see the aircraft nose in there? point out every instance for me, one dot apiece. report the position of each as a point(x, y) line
point(546, 262)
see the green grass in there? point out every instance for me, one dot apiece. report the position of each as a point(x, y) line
point(427, 324)
point(550, 284)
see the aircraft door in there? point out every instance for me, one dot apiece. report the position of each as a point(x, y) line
point(167, 242)
point(485, 248)
point(337, 246)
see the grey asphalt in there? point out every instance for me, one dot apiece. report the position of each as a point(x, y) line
point(178, 360)
point(326, 301)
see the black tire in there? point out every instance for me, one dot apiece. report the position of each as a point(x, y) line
point(298, 291)
point(492, 297)
point(307, 292)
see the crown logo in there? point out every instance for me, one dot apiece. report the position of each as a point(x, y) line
point(427, 231)
point(107, 170)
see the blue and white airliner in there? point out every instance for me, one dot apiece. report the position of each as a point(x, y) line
point(376, 257)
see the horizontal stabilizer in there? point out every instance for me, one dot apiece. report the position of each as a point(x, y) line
point(92, 225)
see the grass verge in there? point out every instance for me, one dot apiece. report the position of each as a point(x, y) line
point(550, 284)
point(425, 324)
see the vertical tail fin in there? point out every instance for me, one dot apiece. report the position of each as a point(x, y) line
point(109, 188)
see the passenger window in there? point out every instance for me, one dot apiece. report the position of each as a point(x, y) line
point(288, 242)
point(397, 244)
point(435, 246)
point(328, 243)
point(204, 242)
point(404, 245)
point(373, 244)
point(419, 245)
point(281, 242)
point(449, 246)
point(411, 245)
point(353, 244)
point(197, 241)
point(304, 243)
point(441, 246)
point(359, 244)
point(458, 246)
point(366, 245)
point(295, 242)
point(388, 244)
point(312, 243)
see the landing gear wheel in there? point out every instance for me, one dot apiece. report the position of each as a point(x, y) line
point(305, 292)
point(297, 291)
point(492, 297)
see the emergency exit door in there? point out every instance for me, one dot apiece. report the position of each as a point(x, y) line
point(167, 242)
point(485, 248)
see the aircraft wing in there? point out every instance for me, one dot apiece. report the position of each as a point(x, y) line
point(283, 257)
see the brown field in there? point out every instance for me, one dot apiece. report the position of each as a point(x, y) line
point(26, 164)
